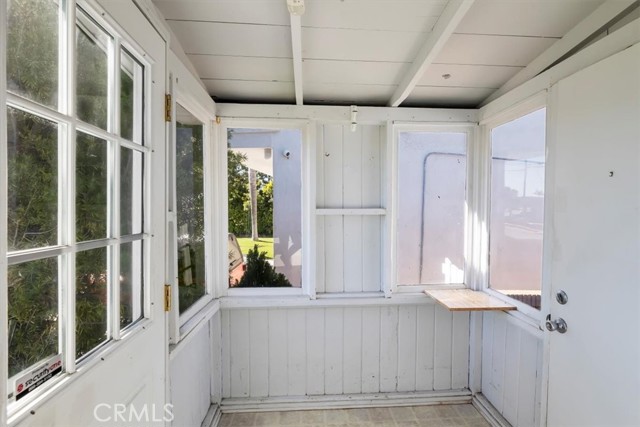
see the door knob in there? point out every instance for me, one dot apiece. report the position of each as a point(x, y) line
point(556, 325)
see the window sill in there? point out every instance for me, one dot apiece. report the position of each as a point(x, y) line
point(525, 313)
point(419, 289)
point(369, 299)
point(264, 292)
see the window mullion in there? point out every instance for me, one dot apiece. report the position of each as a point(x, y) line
point(67, 188)
point(138, 107)
point(114, 264)
point(114, 85)
point(114, 181)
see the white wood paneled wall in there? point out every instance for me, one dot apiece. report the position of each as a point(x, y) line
point(512, 368)
point(194, 368)
point(343, 350)
point(349, 176)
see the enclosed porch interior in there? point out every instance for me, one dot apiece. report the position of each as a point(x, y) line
point(445, 195)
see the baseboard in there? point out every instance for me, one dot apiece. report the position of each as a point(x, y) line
point(213, 416)
point(343, 401)
point(489, 412)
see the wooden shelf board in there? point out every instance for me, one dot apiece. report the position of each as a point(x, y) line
point(468, 300)
point(351, 211)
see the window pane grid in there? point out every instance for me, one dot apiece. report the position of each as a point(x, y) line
point(97, 119)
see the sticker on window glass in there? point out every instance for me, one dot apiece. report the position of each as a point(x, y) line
point(34, 379)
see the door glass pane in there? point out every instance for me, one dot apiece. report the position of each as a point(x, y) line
point(517, 207)
point(131, 195)
point(431, 207)
point(32, 50)
point(131, 97)
point(33, 313)
point(91, 300)
point(92, 45)
point(131, 262)
point(32, 146)
point(91, 188)
point(264, 168)
point(190, 208)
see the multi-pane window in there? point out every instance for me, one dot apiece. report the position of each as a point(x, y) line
point(76, 185)
point(431, 207)
point(517, 207)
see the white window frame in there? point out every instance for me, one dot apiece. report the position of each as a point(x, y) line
point(181, 324)
point(308, 207)
point(527, 106)
point(4, 359)
point(393, 192)
point(64, 115)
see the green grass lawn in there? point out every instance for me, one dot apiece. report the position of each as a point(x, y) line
point(265, 244)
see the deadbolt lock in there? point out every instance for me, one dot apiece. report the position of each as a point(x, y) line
point(562, 297)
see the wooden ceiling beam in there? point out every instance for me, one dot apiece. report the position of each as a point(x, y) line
point(296, 47)
point(432, 46)
point(591, 26)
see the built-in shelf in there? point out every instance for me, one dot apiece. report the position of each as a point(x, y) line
point(468, 300)
point(352, 211)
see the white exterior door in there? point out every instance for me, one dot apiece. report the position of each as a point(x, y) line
point(594, 368)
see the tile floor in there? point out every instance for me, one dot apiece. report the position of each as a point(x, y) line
point(428, 416)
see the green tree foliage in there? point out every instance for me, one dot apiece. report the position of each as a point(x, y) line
point(33, 313)
point(91, 188)
point(190, 214)
point(32, 71)
point(239, 219)
point(91, 73)
point(261, 274)
point(32, 173)
point(32, 50)
point(91, 299)
point(265, 205)
point(239, 203)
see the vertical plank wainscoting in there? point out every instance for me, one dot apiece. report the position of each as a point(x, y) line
point(349, 200)
point(512, 368)
point(342, 353)
point(192, 373)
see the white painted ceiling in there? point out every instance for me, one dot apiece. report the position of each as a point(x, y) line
point(357, 51)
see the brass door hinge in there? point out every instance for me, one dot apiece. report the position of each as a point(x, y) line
point(167, 108)
point(167, 297)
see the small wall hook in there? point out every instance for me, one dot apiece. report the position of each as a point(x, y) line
point(354, 118)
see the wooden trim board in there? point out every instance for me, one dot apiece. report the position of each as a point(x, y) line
point(468, 300)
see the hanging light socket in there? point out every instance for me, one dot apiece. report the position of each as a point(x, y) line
point(296, 7)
